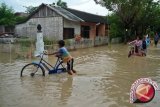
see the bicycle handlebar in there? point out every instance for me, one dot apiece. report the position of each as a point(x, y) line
point(42, 54)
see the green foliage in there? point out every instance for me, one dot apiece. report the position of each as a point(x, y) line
point(134, 15)
point(115, 26)
point(49, 41)
point(150, 32)
point(20, 19)
point(61, 4)
point(25, 42)
point(7, 17)
point(30, 9)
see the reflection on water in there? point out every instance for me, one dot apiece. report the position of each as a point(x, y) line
point(104, 78)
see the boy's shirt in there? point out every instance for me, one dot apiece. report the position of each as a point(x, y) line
point(65, 54)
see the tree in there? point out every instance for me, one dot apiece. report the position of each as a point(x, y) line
point(61, 4)
point(20, 19)
point(30, 9)
point(133, 14)
point(7, 17)
point(115, 26)
point(148, 17)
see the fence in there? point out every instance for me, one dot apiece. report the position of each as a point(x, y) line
point(71, 44)
point(86, 43)
point(7, 40)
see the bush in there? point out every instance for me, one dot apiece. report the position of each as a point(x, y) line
point(49, 41)
point(151, 34)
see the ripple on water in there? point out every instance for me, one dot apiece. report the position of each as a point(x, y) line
point(104, 78)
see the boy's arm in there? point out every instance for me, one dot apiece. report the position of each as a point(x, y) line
point(58, 53)
point(51, 53)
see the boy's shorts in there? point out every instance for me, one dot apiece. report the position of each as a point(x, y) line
point(70, 64)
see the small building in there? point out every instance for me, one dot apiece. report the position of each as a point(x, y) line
point(62, 23)
point(21, 14)
point(6, 30)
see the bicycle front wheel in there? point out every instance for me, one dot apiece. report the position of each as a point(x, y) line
point(32, 69)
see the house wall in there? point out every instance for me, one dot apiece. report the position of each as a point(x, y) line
point(51, 22)
point(71, 24)
point(101, 30)
point(92, 28)
point(52, 27)
point(2, 29)
point(45, 12)
point(106, 30)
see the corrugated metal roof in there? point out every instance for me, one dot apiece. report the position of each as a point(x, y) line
point(71, 14)
point(63, 12)
point(88, 17)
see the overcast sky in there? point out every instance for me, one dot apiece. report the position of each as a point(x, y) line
point(83, 5)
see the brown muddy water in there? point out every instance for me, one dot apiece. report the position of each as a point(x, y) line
point(104, 77)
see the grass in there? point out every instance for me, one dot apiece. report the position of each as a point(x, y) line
point(26, 42)
point(49, 42)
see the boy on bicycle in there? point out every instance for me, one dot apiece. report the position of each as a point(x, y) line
point(66, 57)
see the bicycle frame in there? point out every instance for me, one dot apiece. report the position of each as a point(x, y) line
point(43, 63)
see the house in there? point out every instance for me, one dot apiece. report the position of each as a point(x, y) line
point(62, 23)
point(6, 30)
point(21, 14)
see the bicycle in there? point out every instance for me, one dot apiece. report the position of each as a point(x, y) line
point(39, 67)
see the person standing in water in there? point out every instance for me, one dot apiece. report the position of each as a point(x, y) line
point(66, 57)
point(144, 46)
point(137, 45)
point(156, 39)
point(148, 41)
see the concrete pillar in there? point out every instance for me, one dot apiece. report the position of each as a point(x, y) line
point(39, 42)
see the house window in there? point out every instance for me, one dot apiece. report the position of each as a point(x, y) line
point(97, 32)
point(68, 33)
point(85, 31)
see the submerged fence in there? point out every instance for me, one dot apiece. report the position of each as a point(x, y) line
point(86, 43)
point(7, 40)
point(83, 43)
point(70, 43)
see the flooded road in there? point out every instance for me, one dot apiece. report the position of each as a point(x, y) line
point(104, 77)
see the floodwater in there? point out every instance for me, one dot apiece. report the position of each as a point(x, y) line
point(104, 77)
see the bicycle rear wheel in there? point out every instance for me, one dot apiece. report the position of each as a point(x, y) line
point(32, 69)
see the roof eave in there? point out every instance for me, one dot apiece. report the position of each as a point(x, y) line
point(65, 15)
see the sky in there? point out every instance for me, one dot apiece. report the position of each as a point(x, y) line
point(83, 5)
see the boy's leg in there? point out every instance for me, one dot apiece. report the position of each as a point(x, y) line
point(72, 61)
point(69, 68)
